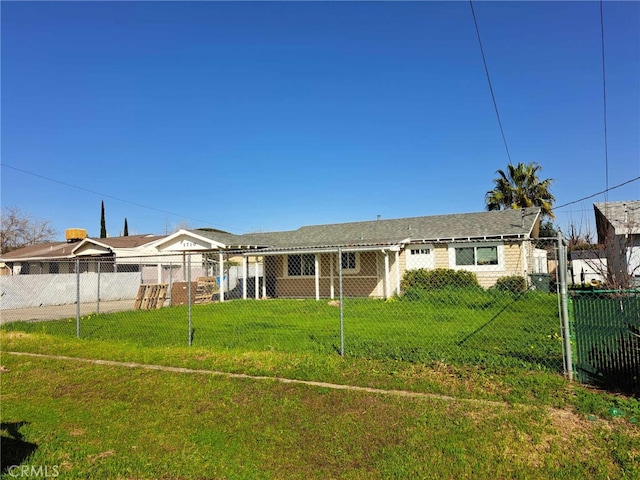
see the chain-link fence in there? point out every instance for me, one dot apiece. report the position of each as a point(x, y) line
point(485, 303)
point(606, 326)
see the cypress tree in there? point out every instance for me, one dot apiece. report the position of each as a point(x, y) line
point(126, 228)
point(103, 224)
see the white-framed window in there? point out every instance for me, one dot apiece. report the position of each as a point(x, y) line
point(303, 265)
point(419, 256)
point(350, 262)
point(476, 257)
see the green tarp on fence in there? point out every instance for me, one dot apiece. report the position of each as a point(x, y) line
point(606, 329)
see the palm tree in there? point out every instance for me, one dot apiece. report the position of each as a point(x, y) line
point(520, 187)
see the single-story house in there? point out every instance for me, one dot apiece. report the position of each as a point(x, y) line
point(374, 255)
point(60, 257)
point(368, 257)
point(618, 228)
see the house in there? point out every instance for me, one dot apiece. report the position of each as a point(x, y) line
point(618, 228)
point(369, 258)
point(587, 267)
point(60, 257)
point(372, 256)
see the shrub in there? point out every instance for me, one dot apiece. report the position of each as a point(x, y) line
point(438, 278)
point(512, 283)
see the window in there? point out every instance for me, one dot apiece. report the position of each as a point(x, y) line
point(349, 261)
point(420, 256)
point(479, 256)
point(301, 265)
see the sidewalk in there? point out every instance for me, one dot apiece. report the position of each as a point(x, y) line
point(55, 312)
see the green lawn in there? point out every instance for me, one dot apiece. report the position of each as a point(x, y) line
point(109, 422)
point(492, 329)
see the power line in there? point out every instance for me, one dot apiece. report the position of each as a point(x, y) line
point(599, 193)
point(604, 101)
point(486, 69)
point(206, 222)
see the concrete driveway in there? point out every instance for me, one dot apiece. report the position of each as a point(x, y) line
point(55, 312)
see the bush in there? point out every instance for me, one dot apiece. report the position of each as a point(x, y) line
point(438, 278)
point(512, 283)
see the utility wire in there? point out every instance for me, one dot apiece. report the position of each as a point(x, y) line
point(486, 69)
point(604, 101)
point(206, 222)
point(599, 193)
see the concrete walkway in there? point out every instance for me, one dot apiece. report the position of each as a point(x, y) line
point(55, 312)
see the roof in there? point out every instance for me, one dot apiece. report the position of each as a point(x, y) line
point(624, 217)
point(130, 241)
point(40, 251)
point(502, 224)
point(47, 251)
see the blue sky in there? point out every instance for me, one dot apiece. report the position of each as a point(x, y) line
point(263, 116)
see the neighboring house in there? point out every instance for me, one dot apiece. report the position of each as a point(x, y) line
point(60, 257)
point(372, 256)
point(618, 227)
point(588, 267)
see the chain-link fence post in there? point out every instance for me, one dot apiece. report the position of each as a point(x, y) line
point(341, 302)
point(189, 299)
point(564, 299)
point(98, 298)
point(78, 297)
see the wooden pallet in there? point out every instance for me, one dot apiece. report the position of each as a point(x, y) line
point(206, 288)
point(150, 296)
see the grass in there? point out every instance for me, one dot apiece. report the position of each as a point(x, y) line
point(492, 329)
point(98, 421)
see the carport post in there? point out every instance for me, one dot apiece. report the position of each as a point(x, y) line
point(386, 275)
point(256, 279)
point(245, 275)
point(332, 290)
point(221, 274)
point(77, 297)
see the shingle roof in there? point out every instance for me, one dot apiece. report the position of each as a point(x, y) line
point(461, 226)
point(130, 241)
point(65, 249)
point(43, 250)
point(623, 216)
point(503, 224)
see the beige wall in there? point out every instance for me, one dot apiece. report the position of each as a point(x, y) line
point(513, 262)
point(365, 283)
point(369, 281)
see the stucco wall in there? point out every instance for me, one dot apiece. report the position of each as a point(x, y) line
point(22, 291)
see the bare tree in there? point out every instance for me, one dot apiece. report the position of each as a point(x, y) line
point(18, 229)
point(183, 225)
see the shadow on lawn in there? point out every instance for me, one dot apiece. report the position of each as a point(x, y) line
point(14, 449)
